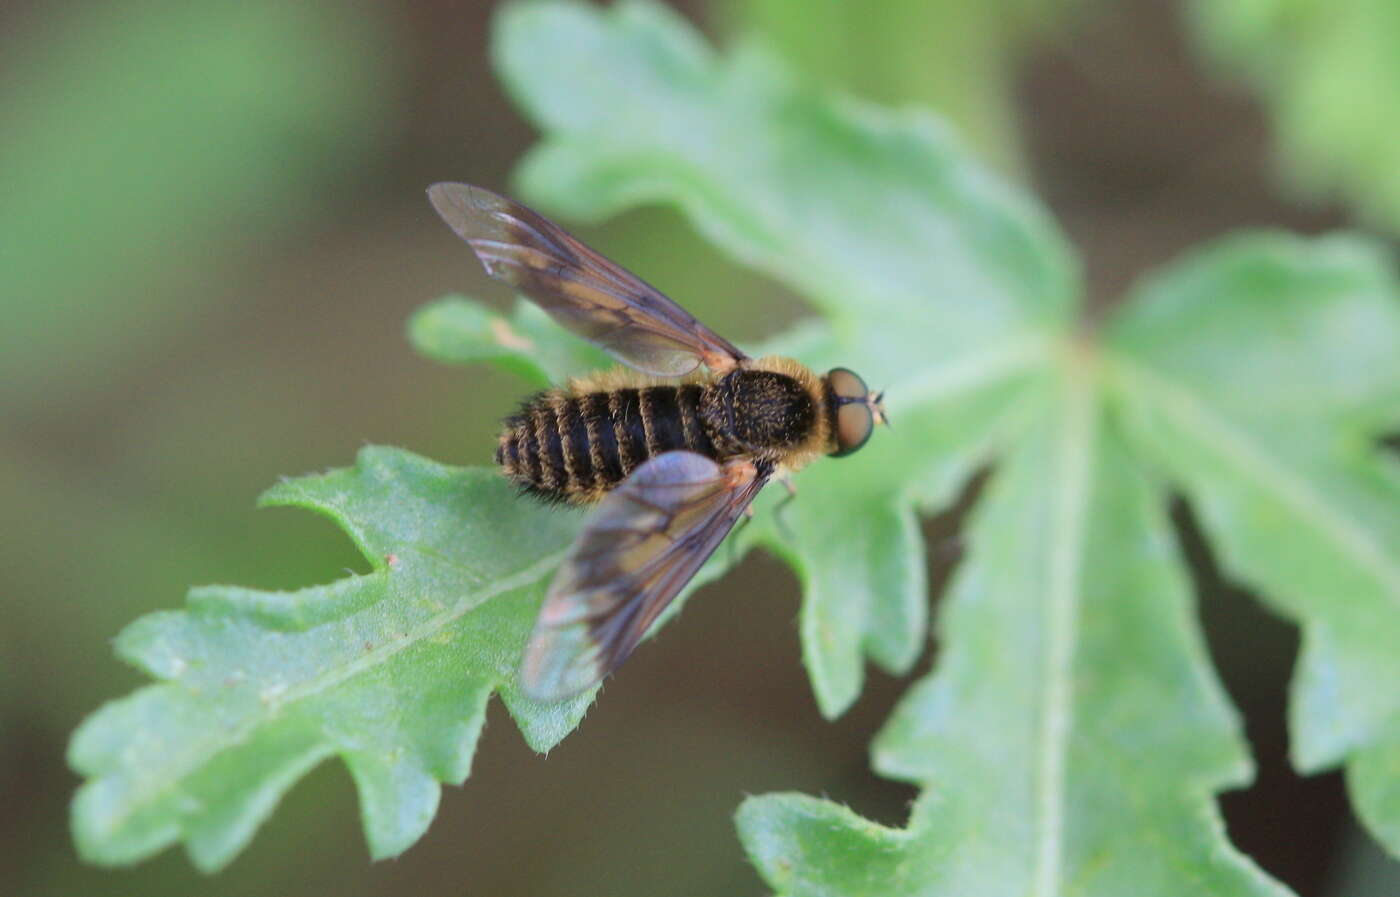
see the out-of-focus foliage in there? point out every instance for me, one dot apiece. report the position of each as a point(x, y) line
point(1267, 411)
point(1072, 734)
point(1266, 408)
point(141, 139)
point(956, 57)
point(1329, 72)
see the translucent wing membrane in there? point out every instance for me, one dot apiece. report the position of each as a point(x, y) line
point(591, 296)
point(641, 546)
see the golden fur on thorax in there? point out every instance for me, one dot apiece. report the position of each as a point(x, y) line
point(819, 441)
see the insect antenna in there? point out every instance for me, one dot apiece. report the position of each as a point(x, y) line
point(877, 402)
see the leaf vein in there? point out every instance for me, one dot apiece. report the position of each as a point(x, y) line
point(1068, 519)
point(237, 735)
point(1254, 462)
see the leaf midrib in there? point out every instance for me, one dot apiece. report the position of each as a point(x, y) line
point(1069, 507)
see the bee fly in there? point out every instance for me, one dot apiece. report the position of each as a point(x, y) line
point(671, 454)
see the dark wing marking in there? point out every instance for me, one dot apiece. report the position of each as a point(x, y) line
point(593, 297)
point(641, 546)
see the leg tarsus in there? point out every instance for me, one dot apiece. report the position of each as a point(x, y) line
point(784, 531)
point(733, 541)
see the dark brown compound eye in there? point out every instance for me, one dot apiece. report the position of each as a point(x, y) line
point(854, 422)
point(846, 384)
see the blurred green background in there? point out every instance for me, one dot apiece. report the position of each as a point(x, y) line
point(212, 230)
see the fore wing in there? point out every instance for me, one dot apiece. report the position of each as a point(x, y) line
point(595, 298)
point(641, 546)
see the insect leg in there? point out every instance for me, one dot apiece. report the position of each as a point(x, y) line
point(733, 559)
point(784, 531)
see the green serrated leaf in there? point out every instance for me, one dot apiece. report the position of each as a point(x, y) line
point(389, 670)
point(1267, 411)
point(1072, 661)
point(1329, 73)
point(882, 52)
point(862, 210)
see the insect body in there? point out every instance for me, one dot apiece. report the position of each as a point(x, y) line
point(670, 452)
point(577, 444)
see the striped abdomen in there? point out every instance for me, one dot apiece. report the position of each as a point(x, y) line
point(575, 448)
